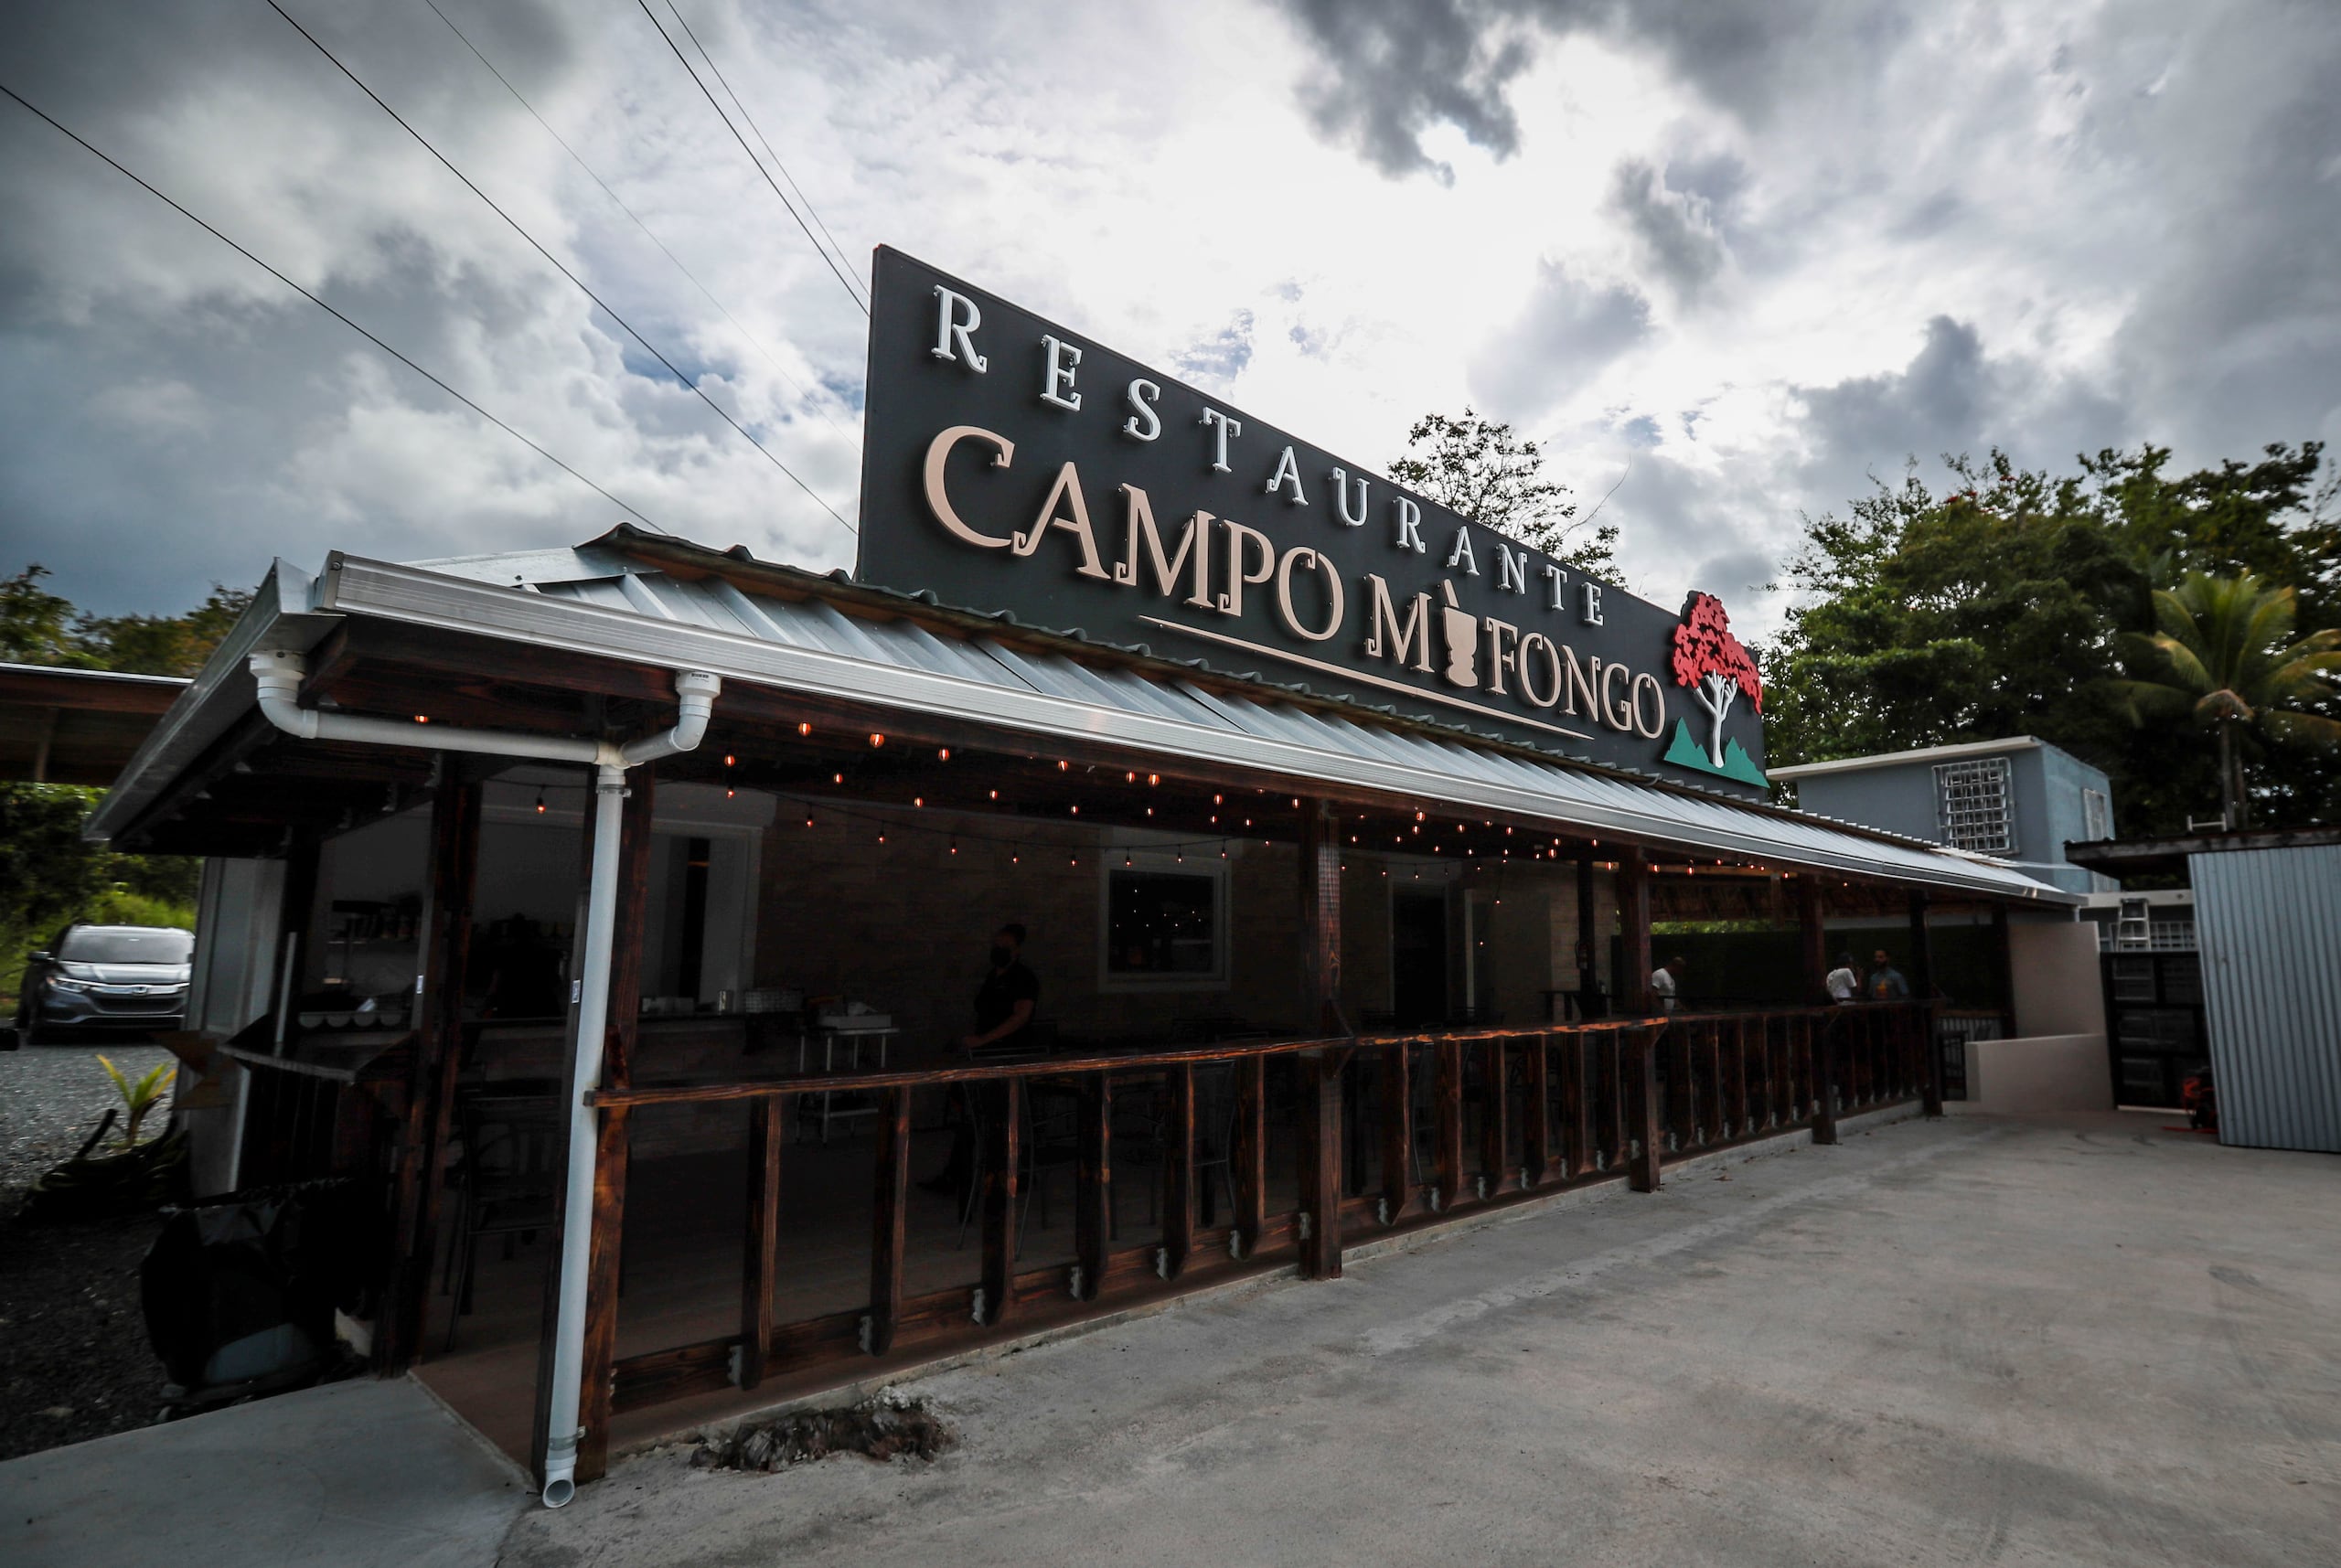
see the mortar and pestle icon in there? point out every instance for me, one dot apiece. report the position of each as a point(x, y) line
point(1462, 640)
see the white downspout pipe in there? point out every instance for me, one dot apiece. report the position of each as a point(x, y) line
point(280, 675)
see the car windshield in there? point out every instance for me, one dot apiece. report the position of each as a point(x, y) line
point(126, 945)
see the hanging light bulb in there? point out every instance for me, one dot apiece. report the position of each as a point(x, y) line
point(918, 800)
point(876, 739)
point(804, 729)
point(995, 795)
point(955, 846)
point(1154, 778)
point(1063, 766)
point(730, 761)
point(540, 800)
point(944, 755)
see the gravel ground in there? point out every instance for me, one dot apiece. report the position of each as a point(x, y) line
point(74, 1361)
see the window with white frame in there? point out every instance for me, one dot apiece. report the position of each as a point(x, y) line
point(1162, 924)
point(2097, 816)
point(1974, 806)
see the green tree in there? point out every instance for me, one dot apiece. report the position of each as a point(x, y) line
point(35, 626)
point(40, 627)
point(1479, 468)
point(2227, 661)
point(2002, 605)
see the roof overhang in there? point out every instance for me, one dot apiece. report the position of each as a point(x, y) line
point(637, 606)
point(1894, 759)
point(2168, 856)
point(76, 726)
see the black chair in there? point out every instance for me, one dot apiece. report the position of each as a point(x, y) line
point(507, 1184)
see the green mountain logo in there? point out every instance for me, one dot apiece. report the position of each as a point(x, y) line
point(1686, 753)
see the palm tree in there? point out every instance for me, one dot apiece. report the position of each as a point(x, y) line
point(2227, 658)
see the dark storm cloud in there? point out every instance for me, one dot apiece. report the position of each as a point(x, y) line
point(1396, 68)
point(1568, 331)
point(1674, 227)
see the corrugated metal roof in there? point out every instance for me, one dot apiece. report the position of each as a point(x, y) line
point(602, 602)
point(2268, 926)
point(1459, 773)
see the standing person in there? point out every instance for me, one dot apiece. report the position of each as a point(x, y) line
point(1665, 983)
point(1004, 1005)
point(1885, 982)
point(1004, 1002)
point(1845, 981)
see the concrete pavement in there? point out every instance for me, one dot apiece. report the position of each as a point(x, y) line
point(1965, 1341)
point(1979, 1341)
point(357, 1474)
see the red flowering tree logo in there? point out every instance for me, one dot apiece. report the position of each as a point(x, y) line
point(1715, 666)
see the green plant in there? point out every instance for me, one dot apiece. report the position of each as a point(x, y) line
point(138, 1098)
point(2227, 660)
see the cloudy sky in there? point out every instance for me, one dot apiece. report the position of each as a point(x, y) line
point(1726, 259)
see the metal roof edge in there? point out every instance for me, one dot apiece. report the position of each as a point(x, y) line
point(1795, 770)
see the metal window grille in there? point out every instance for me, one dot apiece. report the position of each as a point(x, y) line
point(1974, 806)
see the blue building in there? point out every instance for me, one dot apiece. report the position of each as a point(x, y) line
point(2020, 800)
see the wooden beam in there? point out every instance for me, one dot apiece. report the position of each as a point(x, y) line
point(595, 1387)
point(1321, 917)
point(767, 1141)
point(1447, 1121)
point(1922, 988)
point(1247, 1173)
point(1397, 1132)
point(1813, 939)
point(1495, 1120)
point(889, 1218)
point(624, 1022)
point(1640, 1051)
point(1320, 1164)
point(1001, 1158)
point(1093, 1201)
point(1536, 1128)
point(1178, 1169)
point(438, 1057)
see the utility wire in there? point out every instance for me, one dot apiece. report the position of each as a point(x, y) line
point(840, 276)
point(619, 202)
point(648, 346)
point(765, 142)
point(330, 310)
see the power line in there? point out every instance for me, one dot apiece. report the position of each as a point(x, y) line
point(850, 291)
point(619, 202)
point(330, 310)
point(739, 103)
point(648, 346)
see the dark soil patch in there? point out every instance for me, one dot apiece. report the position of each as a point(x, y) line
point(74, 1359)
point(879, 1430)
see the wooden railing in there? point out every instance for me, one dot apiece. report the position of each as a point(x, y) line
point(1450, 1122)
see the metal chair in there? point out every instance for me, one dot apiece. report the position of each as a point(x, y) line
point(506, 1181)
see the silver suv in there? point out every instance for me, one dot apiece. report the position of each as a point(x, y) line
point(106, 979)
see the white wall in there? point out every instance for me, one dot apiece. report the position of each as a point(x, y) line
point(2053, 971)
point(2038, 1075)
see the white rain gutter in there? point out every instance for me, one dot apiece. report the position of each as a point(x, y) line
point(280, 674)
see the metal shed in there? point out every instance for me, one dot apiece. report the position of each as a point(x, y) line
point(2269, 926)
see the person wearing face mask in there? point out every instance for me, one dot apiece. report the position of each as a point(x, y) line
point(1004, 1004)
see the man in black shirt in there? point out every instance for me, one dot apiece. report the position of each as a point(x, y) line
point(1004, 1004)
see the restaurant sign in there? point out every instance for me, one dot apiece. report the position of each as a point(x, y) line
point(1011, 464)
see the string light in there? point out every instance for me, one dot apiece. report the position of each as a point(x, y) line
point(730, 762)
point(995, 795)
point(1132, 778)
point(1154, 778)
point(1063, 766)
point(540, 800)
point(944, 755)
point(422, 718)
point(876, 739)
point(804, 729)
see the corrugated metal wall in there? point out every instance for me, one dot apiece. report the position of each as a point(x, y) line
point(2268, 922)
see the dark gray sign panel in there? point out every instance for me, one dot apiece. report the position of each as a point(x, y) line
point(1008, 464)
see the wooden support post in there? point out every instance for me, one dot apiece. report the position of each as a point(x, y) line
point(438, 1055)
point(1922, 1021)
point(1397, 1133)
point(1093, 1199)
point(1321, 1163)
point(1001, 1158)
point(1716, 1113)
point(611, 1156)
point(1633, 928)
point(1536, 1125)
point(768, 1135)
point(2002, 972)
point(889, 1217)
point(1495, 1122)
point(1247, 1165)
point(1812, 938)
point(1577, 1106)
point(1821, 1054)
point(1589, 966)
point(1320, 918)
point(1447, 1121)
point(1178, 1169)
point(1641, 1065)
